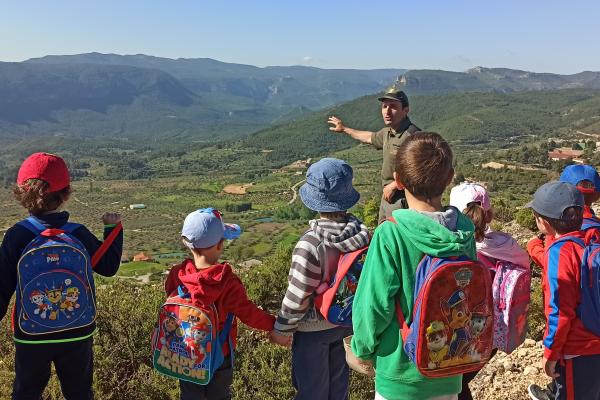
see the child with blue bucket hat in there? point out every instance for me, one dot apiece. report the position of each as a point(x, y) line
point(319, 369)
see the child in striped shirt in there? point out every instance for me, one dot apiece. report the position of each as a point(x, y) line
point(319, 369)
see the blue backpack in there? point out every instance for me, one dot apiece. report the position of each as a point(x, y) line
point(588, 310)
point(55, 286)
point(187, 343)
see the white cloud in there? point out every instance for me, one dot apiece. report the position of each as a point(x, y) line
point(307, 59)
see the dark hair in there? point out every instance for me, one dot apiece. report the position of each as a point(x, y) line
point(479, 216)
point(424, 164)
point(33, 195)
point(334, 215)
point(570, 222)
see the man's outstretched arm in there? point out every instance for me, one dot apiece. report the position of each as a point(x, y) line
point(338, 126)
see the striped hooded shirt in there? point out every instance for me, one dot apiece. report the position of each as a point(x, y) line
point(314, 260)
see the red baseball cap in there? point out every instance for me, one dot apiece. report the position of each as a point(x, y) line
point(46, 167)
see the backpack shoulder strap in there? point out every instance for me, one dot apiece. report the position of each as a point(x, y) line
point(33, 225)
point(225, 335)
point(70, 227)
point(106, 244)
point(573, 239)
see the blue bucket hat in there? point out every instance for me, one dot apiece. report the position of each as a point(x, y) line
point(204, 228)
point(328, 186)
point(574, 174)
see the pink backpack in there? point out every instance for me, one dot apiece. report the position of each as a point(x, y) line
point(511, 291)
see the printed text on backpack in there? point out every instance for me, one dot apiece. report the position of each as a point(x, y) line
point(186, 343)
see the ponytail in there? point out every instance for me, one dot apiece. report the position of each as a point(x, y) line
point(478, 215)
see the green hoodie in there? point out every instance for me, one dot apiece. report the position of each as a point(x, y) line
point(389, 274)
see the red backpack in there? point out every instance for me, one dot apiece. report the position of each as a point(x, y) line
point(450, 330)
point(334, 297)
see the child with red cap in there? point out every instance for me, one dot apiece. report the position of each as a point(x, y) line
point(54, 316)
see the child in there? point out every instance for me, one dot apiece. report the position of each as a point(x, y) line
point(208, 281)
point(587, 181)
point(43, 186)
point(473, 200)
point(319, 369)
point(424, 169)
point(571, 352)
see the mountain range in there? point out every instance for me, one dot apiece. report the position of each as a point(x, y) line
point(165, 100)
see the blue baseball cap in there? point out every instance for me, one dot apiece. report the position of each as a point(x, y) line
point(205, 228)
point(553, 198)
point(574, 174)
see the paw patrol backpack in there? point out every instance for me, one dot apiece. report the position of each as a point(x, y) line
point(335, 296)
point(186, 343)
point(55, 287)
point(450, 330)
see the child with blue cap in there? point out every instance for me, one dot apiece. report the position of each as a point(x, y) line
point(209, 281)
point(587, 181)
point(319, 369)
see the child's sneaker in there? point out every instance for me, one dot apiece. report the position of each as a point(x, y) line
point(538, 393)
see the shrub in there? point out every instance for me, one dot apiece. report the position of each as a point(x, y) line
point(537, 319)
point(503, 212)
point(525, 218)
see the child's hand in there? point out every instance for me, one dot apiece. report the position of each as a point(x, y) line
point(279, 339)
point(550, 368)
point(111, 218)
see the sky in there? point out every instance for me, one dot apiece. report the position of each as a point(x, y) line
point(534, 35)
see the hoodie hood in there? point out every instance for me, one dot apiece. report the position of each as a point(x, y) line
point(345, 236)
point(502, 246)
point(439, 234)
point(205, 285)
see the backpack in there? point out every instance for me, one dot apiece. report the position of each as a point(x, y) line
point(588, 310)
point(55, 285)
point(186, 343)
point(334, 298)
point(591, 227)
point(511, 294)
point(450, 332)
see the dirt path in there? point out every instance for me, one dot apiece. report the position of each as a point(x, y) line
point(295, 192)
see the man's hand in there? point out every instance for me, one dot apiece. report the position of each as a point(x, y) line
point(338, 126)
point(111, 218)
point(550, 368)
point(279, 339)
point(389, 190)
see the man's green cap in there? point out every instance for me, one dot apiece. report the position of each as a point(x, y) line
point(394, 94)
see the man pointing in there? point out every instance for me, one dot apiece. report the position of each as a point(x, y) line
point(394, 110)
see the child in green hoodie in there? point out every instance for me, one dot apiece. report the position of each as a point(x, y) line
point(424, 170)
